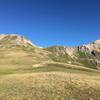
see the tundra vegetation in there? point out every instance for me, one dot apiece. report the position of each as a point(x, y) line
point(28, 72)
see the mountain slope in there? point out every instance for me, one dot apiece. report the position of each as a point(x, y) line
point(86, 55)
point(13, 40)
point(28, 72)
point(18, 53)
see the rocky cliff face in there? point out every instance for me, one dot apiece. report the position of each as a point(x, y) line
point(92, 48)
point(88, 55)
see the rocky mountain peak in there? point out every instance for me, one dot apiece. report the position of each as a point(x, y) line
point(97, 42)
point(13, 39)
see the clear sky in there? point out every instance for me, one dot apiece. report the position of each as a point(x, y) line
point(52, 22)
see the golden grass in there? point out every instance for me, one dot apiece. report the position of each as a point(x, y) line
point(18, 82)
point(50, 86)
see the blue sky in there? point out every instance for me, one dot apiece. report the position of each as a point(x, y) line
point(52, 22)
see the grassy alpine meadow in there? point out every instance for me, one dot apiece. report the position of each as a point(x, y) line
point(53, 85)
point(33, 75)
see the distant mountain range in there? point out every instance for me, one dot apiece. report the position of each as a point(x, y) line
point(15, 49)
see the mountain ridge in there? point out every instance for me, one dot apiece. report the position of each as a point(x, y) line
point(85, 55)
point(15, 39)
point(22, 37)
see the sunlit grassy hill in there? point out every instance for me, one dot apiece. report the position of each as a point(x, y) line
point(28, 72)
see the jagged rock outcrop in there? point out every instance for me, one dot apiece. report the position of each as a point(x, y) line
point(93, 48)
point(88, 55)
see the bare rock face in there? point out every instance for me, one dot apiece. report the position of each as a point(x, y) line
point(93, 48)
point(14, 40)
point(88, 55)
